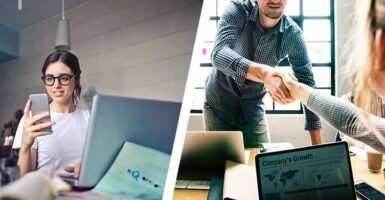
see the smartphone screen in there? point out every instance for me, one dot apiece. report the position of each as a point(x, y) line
point(40, 105)
point(368, 192)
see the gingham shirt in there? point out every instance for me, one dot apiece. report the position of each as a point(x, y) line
point(240, 41)
point(345, 117)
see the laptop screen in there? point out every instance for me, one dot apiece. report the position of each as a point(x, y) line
point(315, 172)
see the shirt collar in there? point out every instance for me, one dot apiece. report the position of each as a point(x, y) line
point(280, 27)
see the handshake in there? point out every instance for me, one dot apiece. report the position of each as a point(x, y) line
point(284, 87)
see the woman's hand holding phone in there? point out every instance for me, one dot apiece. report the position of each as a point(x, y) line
point(32, 129)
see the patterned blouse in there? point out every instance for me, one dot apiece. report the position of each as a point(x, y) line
point(349, 119)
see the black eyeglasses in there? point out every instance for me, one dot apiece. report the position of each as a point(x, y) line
point(64, 79)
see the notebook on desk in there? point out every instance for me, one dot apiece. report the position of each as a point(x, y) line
point(239, 182)
point(314, 172)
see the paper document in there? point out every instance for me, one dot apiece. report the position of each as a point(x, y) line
point(271, 147)
point(240, 182)
point(361, 153)
point(247, 156)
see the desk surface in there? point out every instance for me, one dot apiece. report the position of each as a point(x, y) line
point(360, 172)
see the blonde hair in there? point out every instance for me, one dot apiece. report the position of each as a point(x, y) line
point(369, 17)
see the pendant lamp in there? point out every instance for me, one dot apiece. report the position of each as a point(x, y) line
point(63, 37)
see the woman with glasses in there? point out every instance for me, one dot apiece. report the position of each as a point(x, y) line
point(60, 150)
point(368, 62)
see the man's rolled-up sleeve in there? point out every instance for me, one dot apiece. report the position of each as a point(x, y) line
point(224, 58)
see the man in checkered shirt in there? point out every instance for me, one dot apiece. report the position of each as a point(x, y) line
point(253, 37)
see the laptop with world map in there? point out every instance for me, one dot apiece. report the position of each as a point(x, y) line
point(314, 172)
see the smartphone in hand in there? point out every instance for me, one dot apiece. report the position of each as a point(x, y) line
point(40, 105)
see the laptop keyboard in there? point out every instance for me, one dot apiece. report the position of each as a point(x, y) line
point(192, 184)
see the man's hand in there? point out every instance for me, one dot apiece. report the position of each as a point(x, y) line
point(276, 87)
point(273, 82)
point(315, 136)
point(74, 169)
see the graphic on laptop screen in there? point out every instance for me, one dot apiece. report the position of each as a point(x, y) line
point(320, 173)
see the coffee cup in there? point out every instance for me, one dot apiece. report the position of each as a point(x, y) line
point(374, 160)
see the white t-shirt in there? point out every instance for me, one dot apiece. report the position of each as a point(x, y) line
point(64, 146)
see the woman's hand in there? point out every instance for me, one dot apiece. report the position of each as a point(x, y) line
point(32, 129)
point(276, 88)
point(289, 80)
point(297, 90)
point(74, 169)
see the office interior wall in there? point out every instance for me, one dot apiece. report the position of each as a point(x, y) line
point(343, 25)
point(137, 48)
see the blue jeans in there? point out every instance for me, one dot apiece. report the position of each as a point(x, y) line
point(253, 134)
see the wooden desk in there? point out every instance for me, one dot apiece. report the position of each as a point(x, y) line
point(360, 172)
point(183, 194)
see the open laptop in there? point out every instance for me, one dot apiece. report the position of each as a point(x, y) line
point(314, 172)
point(205, 152)
point(114, 120)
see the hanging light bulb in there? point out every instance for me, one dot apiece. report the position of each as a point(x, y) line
point(63, 37)
point(19, 4)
